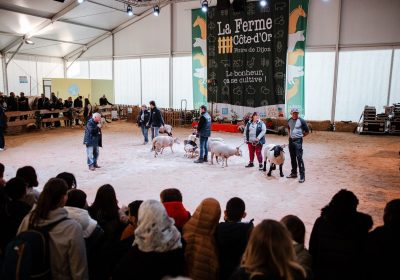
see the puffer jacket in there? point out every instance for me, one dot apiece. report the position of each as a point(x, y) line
point(201, 250)
point(67, 246)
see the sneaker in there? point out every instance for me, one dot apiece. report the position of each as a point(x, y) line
point(91, 168)
point(2, 149)
point(200, 160)
point(302, 179)
point(260, 166)
point(96, 166)
point(250, 165)
point(292, 176)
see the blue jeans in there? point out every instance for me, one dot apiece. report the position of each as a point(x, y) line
point(154, 132)
point(92, 155)
point(145, 132)
point(203, 147)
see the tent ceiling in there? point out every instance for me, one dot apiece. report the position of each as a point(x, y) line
point(80, 24)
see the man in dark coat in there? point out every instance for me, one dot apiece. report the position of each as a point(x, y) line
point(103, 101)
point(382, 254)
point(68, 105)
point(12, 105)
point(204, 131)
point(93, 140)
point(44, 104)
point(3, 121)
point(156, 120)
point(78, 103)
point(23, 105)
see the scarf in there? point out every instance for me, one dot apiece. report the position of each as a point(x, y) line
point(156, 231)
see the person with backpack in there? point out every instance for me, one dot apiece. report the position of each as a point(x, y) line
point(63, 237)
point(254, 136)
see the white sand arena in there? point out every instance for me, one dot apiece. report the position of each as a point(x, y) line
point(366, 165)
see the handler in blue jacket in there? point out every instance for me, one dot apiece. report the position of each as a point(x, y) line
point(93, 140)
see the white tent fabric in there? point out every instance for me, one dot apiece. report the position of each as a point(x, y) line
point(127, 82)
point(395, 87)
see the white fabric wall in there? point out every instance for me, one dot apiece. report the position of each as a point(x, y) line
point(182, 81)
point(127, 82)
point(319, 85)
point(155, 81)
point(395, 86)
point(49, 68)
point(100, 69)
point(1, 76)
point(363, 80)
point(22, 66)
point(79, 70)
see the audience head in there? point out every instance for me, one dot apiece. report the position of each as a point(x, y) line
point(391, 216)
point(270, 252)
point(105, 205)
point(12, 94)
point(53, 196)
point(133, 208)
point(28, 173)
point(15, 188)
point(69, 178)
point(77, 199)
point(343, 205)
point(205, 218)
point(156, 231)
point(296, 228)
point(171, 195)
point(70, 98)
point(203, 108)
point(21, 94)
point(235, 210)
point(152, 104)
point(144, 107)
point(1, 170)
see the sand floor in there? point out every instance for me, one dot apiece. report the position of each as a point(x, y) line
point(366, 165)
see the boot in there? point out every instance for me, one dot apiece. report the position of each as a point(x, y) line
point(292, 176)
point(250, 165)
point(260, 166)
point(91, 168)
point(205, 159)
point(302, 178)
point(200, 160)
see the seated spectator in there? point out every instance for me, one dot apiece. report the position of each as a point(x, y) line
point(103, 101)
point(13, 210)
point(105, 211)
point(297, 231)
point(2, 180)
point(269, 255)
point(67, 246)
point(129, 231)
point(201, 249)
point(28, 173)
point(338, 239)
point(382, 257)
point(232, 236)
point(172, 200)
point(69, 178)
point(157, 250)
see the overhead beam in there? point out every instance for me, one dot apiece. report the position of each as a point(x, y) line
point(59, 41)
point(104, 5)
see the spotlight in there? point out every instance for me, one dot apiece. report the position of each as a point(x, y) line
point(156, 10)
point(80, 1)
point(204, 6)
point(263, 3)
point(28, 41)
point(129, 10)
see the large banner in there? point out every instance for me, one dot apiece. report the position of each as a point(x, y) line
point(247, 54)
point(296, 48)
point(199, 58)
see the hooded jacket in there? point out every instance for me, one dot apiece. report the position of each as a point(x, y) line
point(67, 246)
point(232, 240)
point(201, 249)
point(177, 211)
point(83, 218)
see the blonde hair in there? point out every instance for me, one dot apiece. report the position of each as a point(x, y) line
point(270, 252)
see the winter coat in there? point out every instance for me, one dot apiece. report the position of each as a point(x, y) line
point(83, 218)
point(156, 119)
point(303, 257)
point(232, 240)
point(150, 265)
point(201, 249)
point(204, 125)
point(23, 104)
point(78, 103)
point(145, 119)
point(177, 211)
point(31, 196)
point(382, 257)
point(43, 103)
point(103, 101)
point(336, 245)
point(12, 104)
point(67, 246)
point(241, 274)
point(92, 134)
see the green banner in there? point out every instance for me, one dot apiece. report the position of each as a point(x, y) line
point(295, 59)
point(199, 57)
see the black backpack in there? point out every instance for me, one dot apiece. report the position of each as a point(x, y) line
point(27, 256)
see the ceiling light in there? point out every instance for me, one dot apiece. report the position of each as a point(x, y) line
point(263, 3)
point(129, 10)
point(204, 6)
point(80, 1)
point(29, 42)
point(156, 10)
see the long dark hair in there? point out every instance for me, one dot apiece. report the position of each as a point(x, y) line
point(69, 179)
point(87, 102)
point(49, 199)
point(105, 205)
point(28, 173)
point(342, 207)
